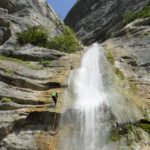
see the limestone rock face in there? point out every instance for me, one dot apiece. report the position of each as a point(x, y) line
point(18, 15)
point(28, 76)
point(132, 56)
point(95, 20)
point(131, 53)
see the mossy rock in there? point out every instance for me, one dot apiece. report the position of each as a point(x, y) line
point(145, 127)
point(45, 63)
point(6, 100)
point(119, 73)
point(110, 57)
point(115, 137)
point(124, 130)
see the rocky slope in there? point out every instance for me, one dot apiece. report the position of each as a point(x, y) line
point(131, 55)
point(28, 74)
point(99, 19)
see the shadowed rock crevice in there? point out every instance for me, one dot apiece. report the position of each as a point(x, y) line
point(51, 120)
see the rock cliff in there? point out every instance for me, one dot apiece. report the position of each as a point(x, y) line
point(28, 74)
point(131, 55)
point(95, 20)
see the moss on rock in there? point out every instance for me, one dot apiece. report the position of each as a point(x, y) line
point(123, 130)
point(110, 57)
point(6, 99)
point(119, 73)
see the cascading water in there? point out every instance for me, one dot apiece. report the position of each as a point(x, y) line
point(88, 119)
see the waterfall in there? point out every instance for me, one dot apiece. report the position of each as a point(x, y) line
point(91, 104)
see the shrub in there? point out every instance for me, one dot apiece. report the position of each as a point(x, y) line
point(66, 42)
point(131, 16)
point(33, 35)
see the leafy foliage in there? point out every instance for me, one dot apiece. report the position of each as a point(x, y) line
point(34, 35)
point(66, 42)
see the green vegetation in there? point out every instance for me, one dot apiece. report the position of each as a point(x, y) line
point(110, 57)
point(145, 127)
point(119, 73)
point(45, 63)
point(146, 33)
point(132, 15)
point(118, 132)
point(66, 42)
point(33, 35)
point(38, 36)
point(6, 99)
point(115, 137)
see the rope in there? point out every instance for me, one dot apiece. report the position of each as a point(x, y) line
point(54, 121)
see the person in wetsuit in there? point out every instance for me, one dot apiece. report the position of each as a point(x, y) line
point(54, 96)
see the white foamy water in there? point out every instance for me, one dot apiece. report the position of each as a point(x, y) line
point(88, 81)
point(94, 105)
